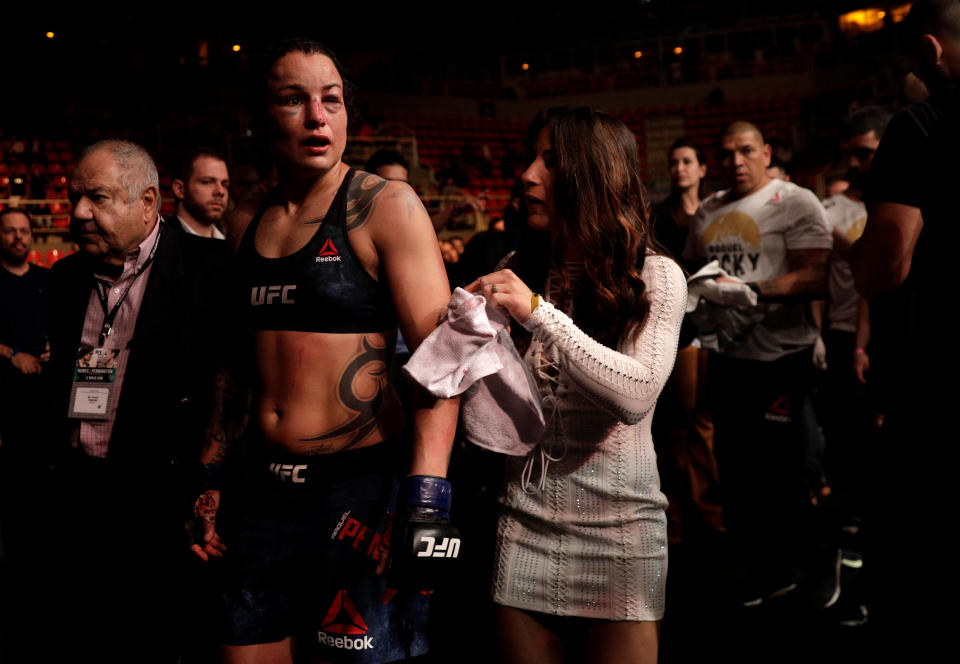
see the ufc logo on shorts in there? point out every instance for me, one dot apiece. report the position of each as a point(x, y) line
point(287, 472)
point(268, 294)
point(448, 548)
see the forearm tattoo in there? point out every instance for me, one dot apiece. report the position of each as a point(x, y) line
point(368, 372)
point(362, 199)
point(230, 413)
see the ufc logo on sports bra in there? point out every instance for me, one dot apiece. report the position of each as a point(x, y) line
point(270, 294)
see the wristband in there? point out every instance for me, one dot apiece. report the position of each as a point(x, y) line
point(755, 287)
point(13, 353)
point(427, 492)
point(534, 302)
point(860, 351)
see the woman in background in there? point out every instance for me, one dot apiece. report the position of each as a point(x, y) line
point(683, 425)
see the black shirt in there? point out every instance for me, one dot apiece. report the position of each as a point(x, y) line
point(23, 309)
point(918, 165)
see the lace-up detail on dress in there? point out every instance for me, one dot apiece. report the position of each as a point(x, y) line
point(588, 537)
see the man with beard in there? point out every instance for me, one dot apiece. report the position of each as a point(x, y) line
point(23, 336)
point(202, 190)
point(23, 328)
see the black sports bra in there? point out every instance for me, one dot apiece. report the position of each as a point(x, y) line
point(321, 288)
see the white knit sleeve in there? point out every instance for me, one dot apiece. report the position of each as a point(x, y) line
point(625, 383)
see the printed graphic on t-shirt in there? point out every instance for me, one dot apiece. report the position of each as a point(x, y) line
point(855, 230)
point(733, 239)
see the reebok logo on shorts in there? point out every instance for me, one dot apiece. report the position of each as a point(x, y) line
point(779, 411)
point(343, 618)
point(328, 253)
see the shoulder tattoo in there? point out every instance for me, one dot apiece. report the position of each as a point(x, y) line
point(362, 199)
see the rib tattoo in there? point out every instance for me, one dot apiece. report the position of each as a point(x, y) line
point(369, 361)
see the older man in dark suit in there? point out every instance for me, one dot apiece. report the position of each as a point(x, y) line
point(135, 316)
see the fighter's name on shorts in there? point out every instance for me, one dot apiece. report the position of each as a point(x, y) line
point(361, 537)
point(260, 295)
point(345, 642)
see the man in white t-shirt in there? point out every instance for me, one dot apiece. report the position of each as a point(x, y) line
point(773, 236)
point(848, 321)
point(847, 421)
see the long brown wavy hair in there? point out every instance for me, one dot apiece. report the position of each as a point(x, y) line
point(602, 206)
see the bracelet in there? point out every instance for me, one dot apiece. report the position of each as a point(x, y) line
point(13, 353)
point(859, 351)
point(534, 301)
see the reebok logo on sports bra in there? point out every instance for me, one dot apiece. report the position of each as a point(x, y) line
point(328, 253)
point(323, 286)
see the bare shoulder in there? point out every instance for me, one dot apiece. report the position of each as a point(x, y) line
point(373, 201)
point(236, 221)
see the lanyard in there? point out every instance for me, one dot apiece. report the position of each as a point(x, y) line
point(109, 316)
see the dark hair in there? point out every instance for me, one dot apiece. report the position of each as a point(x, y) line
point(184, 167)
point(602, 206)
point(685, 142)
point(12, 210)
point(778, 163)
point(740, 127)
point(866, 119)
point(385, 157)
point(295, 45)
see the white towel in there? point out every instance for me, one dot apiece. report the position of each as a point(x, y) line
point(471, 353)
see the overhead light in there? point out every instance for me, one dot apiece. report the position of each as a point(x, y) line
point(525, 66)
point(236, 48)
point(677, 50)
point(638, 54)
point(49, 35)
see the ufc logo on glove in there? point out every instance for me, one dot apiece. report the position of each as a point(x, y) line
point(448, 548)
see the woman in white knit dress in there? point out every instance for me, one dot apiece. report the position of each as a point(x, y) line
point(581, 545)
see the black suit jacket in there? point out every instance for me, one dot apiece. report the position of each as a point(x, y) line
point(164, 401)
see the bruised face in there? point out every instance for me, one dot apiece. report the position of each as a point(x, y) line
point(745, 159)
point(538, 182)
point(307, 113)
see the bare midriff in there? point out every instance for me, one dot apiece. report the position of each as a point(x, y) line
point(321, 393)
